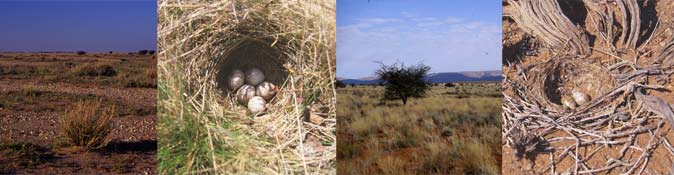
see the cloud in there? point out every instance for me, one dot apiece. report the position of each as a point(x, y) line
point(408, 14)
point(453, 20)
point(426, 19)
point(370, 22)
point(378, 20)
point(431, 22)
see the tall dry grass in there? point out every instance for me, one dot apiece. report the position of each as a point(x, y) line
point(88, 124)
point(452, 131)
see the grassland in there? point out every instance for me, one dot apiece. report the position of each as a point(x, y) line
point(454, 130)
point(36, 89)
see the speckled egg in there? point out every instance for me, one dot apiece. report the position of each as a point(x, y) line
point(254, 76)
point(235, 79)
point(256, 104)
point(245, 93)
point(569, 103)
point(580, 97)
point(266, 90)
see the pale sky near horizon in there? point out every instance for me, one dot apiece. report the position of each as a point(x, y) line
point(448, 36)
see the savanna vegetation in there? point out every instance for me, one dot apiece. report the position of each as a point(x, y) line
point(99, 69)
point(452, 130)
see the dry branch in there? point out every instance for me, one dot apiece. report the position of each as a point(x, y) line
point(545, 21)
point(620, 108)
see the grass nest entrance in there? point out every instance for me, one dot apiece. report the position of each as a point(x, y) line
point(248, 55)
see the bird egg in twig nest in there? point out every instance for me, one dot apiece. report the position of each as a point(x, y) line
point(236, 79)
point(266, 90)
point(245, 93)
point(256, 104)
point(254, 76)
point(568, 102)
point(580, 97)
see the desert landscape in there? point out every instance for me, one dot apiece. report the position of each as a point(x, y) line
point(588, 87)
point(455, 129)
point(39, 91)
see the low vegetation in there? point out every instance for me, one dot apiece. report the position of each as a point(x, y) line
point(21, 154)
point(130, 72)
point(36, 101)
point(88, 124)
point(438, 134)
point(94, 69)
point(139, 78)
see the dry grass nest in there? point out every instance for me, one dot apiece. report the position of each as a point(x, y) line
point(618, 54)
point(292, 42)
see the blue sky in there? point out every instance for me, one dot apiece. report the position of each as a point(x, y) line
point(448, 35)
point(78, 25)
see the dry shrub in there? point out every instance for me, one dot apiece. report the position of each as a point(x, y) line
point(438, 158)
point(144, 79)
point(293, 42)
point(94, 69)
point(392, 165)
point(473, 157)
point(88, 124)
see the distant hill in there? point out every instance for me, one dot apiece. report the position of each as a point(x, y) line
point(443, 77)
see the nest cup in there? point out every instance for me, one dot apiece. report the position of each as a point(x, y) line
point(251, 54)
point(556, 78)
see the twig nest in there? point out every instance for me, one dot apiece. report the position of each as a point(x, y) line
point(235, 79)
point(245, 93)
point(547, 83)
point(256, 104)
point(254, 76)
point(266, 90)
point(580, 97)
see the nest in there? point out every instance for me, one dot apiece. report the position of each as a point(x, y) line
point(292, 42)
point(251, 54)
point(618, 70)
point(551, 80)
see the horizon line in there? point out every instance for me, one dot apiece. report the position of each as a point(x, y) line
point(499, 70)
point(77, 51)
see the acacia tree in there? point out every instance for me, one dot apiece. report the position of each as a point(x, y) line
point(340, 84)
point(401, 82)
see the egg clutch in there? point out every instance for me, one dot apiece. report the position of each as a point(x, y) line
point(251, 89)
